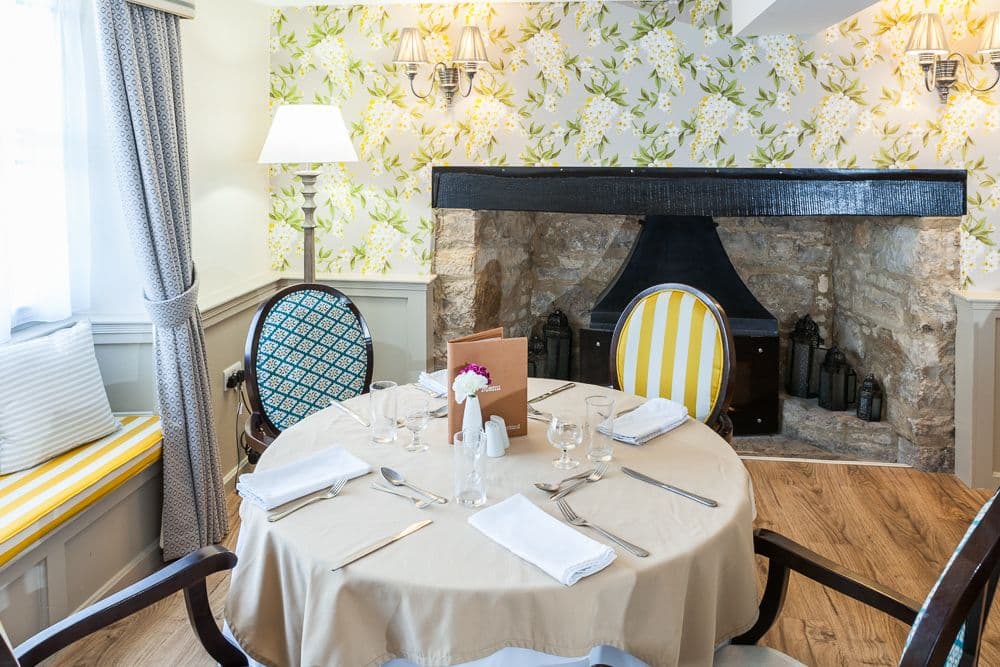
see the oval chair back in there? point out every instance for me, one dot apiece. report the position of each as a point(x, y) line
point(307, 344)
point(948, 629)
point(674, 341)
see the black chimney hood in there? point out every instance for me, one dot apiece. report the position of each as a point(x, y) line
point(683, 249)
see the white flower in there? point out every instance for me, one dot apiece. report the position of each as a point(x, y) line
point(710, 35)
point(550, 55)
point(832, 118)
point(663, 51)
point(711, 119)
point(467, 384)
point(595, 119)
point(782, 53)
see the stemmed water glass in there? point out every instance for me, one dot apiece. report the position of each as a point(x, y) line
point(565, 433)
point(416, 417)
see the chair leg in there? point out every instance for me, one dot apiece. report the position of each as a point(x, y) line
point(203, 622)
point(770, 603)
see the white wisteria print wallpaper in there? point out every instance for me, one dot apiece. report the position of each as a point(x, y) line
point(608, 83)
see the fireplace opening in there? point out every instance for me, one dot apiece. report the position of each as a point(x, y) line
point(872, 256)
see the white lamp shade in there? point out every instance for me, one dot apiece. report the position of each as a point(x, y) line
point(470, 46)
point(928, 36)
point(411, 47)
point(307, 134)
point(991, 34)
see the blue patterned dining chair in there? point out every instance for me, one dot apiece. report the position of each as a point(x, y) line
point(307, 344)
point(946, 630)
point(674, 341)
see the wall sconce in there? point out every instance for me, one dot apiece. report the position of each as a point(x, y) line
point(940, 64)
point(471, 53)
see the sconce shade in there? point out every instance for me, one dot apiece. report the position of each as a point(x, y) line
point(990, 46)
point(307, 134)
point(470, 46)
point(928, 37)
point(411, 47)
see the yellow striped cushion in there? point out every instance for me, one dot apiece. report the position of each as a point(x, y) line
point(671, 346)
point(35, 502)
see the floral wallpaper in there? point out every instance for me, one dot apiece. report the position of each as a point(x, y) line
point(608, 83)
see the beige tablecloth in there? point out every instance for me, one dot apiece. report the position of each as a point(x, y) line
point(447, 594)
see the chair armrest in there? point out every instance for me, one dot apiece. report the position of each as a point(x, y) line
point(785, 556)
point(187, 574)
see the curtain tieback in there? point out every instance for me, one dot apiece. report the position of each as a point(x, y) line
point(175, 311)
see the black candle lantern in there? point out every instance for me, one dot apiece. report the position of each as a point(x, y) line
point(870, 400)
point(801, 353)
point(558, 338)
point(536, 357)
point(837, 382)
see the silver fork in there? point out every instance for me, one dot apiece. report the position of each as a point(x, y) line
point(600, 470)
point(573, 518)
point(337, 487)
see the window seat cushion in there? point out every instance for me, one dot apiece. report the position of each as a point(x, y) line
point(37, 501)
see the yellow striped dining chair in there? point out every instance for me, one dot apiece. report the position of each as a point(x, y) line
point(674, 341)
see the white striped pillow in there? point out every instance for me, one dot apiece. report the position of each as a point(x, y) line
point(52, 398)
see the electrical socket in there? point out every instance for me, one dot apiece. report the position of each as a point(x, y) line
point(230, 375)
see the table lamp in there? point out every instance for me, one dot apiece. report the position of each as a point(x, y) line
point(307, 134)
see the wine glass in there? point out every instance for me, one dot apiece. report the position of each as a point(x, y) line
point(565, 433)
point(416, 417)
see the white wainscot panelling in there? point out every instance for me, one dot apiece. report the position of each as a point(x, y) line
point(397, 310)
point(977, 388)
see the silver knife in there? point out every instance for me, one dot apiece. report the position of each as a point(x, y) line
point(385, 541)
point(358, 418)
point(673, 489)
point(568, 385)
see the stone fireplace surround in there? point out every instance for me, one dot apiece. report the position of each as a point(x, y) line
point(878, 285)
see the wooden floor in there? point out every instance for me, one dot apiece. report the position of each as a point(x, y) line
point(895, 525)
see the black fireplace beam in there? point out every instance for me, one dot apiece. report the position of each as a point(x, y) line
point(703, 192)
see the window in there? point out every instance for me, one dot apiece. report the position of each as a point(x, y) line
point(59, 193)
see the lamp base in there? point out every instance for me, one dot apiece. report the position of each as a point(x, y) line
point(308, 179)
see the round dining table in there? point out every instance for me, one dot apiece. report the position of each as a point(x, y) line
point(449, 595)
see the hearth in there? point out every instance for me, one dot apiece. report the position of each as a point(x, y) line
point(871, 255)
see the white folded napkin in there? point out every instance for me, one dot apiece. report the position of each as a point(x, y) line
point(542, 540)
point(654, 417)
point(436, 381)
point(271, 488)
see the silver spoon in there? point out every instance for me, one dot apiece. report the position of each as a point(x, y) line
point(332, 493)
point(552, 487)
point(599, 471)
point(396, 479)
point(420, 503)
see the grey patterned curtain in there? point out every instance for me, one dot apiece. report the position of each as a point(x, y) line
point(141, 57)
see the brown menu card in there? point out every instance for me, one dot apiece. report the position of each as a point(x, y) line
point(507, 394)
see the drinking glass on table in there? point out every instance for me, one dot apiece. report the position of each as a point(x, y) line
point(415, 419)
point(383, 404)
point(565, 433)
point(600, 410)
point(469, 462)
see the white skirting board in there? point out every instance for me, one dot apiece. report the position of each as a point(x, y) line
point(977, 388)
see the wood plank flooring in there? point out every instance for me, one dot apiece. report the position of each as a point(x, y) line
point(895, 525)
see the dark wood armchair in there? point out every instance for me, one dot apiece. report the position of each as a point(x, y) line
point(186, 574)
point(947, 628)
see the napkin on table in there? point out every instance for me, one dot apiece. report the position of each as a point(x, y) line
point(436, 381)
point(542, 540)
point(270, 488)
point(654, 417)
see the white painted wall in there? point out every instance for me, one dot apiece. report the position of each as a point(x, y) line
point(226, 61)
